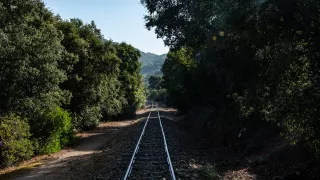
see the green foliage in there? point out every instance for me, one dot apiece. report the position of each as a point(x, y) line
point(140, 95)
point(15, 134)
point(155, 82)
point(93, 74)
point(153, 94)
point(59, 75)
point(253, 60)
point(89, 117)
point(158, 95)
point(29, 55)
point(178, 78)
point(130, 78)
point(52, 130)
point(31, 52)
point(156, 92)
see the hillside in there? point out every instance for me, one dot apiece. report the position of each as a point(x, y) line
point(151, 63)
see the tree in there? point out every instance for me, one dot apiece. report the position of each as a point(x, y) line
point(30, 54)
point(254, 59)
point(155, 82)
point(29, 57)
point(178, 71)
point(130, 78)
point(58, 75)
point(93, 69)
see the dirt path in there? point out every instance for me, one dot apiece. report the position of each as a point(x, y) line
point(58, 165)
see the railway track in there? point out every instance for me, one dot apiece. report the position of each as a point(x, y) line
point(151, 157)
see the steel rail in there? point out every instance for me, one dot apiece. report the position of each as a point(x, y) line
point(128, 172)
point(167, 151)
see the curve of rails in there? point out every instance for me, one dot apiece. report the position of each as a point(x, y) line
point(151, 158)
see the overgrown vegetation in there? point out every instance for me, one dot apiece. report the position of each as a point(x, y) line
point(244, 61)
point(57, 76)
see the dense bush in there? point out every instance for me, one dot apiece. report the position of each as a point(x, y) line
point(52, 130)
point(89, 118)
point(15, 134)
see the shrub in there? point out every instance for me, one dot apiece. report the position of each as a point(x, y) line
point(89, 118)
point(15, 134)
point(54, 131)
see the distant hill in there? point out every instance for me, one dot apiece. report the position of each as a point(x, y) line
point(151, 63)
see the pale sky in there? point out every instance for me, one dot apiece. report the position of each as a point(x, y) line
point(119, 20)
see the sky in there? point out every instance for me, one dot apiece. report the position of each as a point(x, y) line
point(119, 20)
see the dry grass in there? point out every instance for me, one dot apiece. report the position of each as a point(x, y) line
point(241, 174)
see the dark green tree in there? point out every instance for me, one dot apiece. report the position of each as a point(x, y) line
point(155, 82)
point(130, 78)
point(93, 69)
point(254, 59)
point(30, 53)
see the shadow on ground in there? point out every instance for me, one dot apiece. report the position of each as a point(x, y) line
point(262, 153)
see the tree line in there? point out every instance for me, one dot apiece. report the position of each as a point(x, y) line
point(244, 61)
point(57, 76)
point(156, 91)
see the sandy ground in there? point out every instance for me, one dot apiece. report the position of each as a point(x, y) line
point(90, 144)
